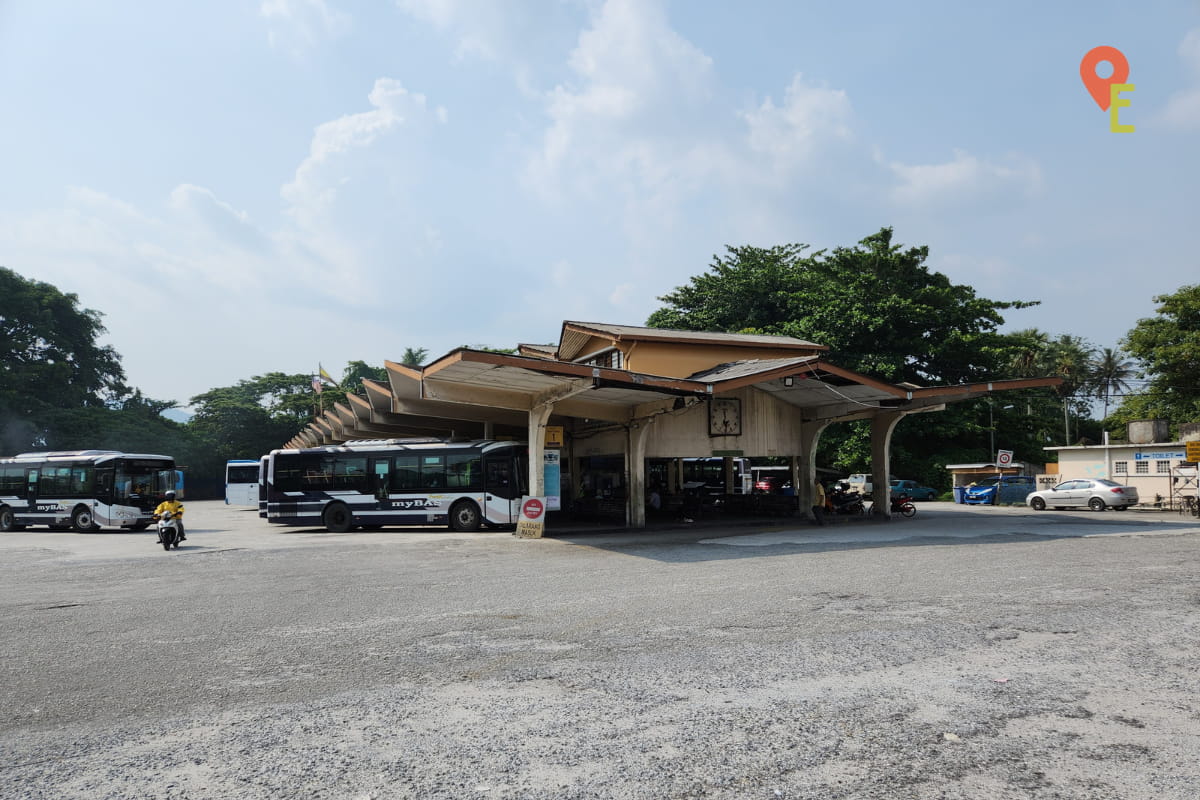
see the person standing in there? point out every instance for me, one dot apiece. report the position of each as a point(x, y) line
point(818, 509)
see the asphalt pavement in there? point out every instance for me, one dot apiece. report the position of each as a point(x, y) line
point(967, 652)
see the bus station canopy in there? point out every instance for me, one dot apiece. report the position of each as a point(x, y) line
point(469, 392)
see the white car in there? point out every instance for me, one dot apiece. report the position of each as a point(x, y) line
point(1095, 493)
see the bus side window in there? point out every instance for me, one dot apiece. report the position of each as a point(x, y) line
point(407, 475)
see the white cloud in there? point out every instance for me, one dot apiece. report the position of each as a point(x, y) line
point(810, 118)
point(311, 188)
point(1189, 51)
point(631, 125)
point(297, 25)
point(1183, 108)
point(966, 178)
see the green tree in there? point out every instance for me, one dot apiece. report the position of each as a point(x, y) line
point(254, 416)
point(49, 360)
point(414, 357)
point(1168, 348)
point(882, 312)
point(1111, 374)
point(876, 305)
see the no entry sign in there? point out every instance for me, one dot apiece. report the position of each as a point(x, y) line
point(532, 521)
point(533, 508)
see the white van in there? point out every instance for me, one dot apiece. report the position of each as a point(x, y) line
point(859, 483)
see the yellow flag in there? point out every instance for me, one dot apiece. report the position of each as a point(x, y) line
point(325, 375)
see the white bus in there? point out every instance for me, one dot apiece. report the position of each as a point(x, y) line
point(241, 483)
point(374, 483)
point(83, 489)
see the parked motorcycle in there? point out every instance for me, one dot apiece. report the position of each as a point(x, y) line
point(168, 530)
point(846, 503)
point(901, 504)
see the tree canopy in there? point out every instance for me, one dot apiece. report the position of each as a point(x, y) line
point(1167, 347)
point(876, 305)
point(50, 360)
point(881, 311)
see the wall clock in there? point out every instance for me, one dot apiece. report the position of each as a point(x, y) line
point(725, 417)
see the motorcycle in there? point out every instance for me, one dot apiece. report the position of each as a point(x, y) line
point(168, 530)
point(901, 505)
point(843, 502)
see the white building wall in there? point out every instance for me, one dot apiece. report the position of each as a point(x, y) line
point(1147, 467)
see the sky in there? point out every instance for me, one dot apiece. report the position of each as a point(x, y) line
point(245, 186)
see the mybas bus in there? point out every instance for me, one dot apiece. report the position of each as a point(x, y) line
point(83, 489)
point(370, 484)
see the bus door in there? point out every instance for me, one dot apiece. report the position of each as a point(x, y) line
point(501, 490)
point(31, 492)
point(381, 480)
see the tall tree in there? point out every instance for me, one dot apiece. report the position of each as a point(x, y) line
point(881, 311)
point(1111, 374)
point(49, 360)
point(876, 305)
point(414, 357)
point(1168, 347)
point(253, 416)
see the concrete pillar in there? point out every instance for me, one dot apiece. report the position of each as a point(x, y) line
point(794, 464)
point(810, 434)
point(635, 465)
point(538, 417)
point(488, 430)
point(882, 425)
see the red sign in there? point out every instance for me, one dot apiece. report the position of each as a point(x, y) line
point(533, 508)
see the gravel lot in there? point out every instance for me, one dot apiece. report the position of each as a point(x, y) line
point(966, 653)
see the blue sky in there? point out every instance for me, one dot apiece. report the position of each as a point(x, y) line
point(242, 187)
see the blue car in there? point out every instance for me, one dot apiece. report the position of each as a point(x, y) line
point(1010, 489)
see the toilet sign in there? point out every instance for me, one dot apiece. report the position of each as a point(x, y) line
point(532, 521)
point(1004, 458)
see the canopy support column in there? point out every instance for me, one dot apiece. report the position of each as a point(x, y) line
point(882, 425)
point(810, 434)
point(635, 466)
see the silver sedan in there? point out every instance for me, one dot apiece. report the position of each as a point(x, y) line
point(1096, 494)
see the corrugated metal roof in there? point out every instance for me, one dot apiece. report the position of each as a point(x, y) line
point(570, 344)
point(738, 369)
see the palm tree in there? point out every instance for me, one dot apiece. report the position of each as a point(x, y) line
point(1030, 355)
point(1111, 373)
point(413, 356)
point(1070, 358)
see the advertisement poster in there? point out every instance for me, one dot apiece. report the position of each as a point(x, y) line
point(552, 476)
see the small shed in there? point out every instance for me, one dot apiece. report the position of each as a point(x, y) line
point(966, 474)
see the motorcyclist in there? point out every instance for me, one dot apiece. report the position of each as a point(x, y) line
point(169, 503)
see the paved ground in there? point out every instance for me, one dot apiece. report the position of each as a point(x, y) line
point(965, 653)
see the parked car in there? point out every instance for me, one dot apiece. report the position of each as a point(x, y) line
point(914, 490)
point(771, 484)
point(1000, 489)
point(1095, 493)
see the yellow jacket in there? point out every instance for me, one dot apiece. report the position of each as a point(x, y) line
point(174, 506)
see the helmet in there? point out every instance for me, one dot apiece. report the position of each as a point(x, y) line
point(169, 495)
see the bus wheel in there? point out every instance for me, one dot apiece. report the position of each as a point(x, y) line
point(464, 516)
point(336, 518)
point(82, 520)
point(8, 520)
